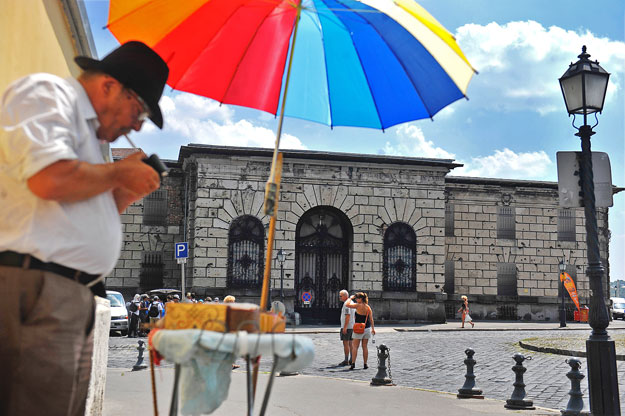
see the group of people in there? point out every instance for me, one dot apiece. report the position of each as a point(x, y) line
point(355, 311)
point(193, 298)
point(143, 310)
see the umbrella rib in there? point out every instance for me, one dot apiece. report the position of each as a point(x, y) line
point(425, 105)
point(377, 110)
point(234, 73)
point(188, 67)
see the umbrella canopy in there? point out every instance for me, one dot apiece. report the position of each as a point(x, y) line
point(369, 63)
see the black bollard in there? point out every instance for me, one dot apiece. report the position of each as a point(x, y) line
point(381, 378)
point(517, 400)
point(468, 390)
point(139, 365)
point(576, 402)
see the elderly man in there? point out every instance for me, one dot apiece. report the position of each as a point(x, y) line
point(347, 325)
point(60, 225)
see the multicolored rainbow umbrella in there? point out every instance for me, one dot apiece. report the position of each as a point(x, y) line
point(369, 63)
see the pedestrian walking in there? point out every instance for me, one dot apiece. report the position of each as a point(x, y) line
point(347, 325)
point(464, 309)
point(363, 328)
point(156, 310)
point(133, 309)
point(61, 229)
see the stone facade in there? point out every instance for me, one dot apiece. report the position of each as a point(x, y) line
point(366, 194)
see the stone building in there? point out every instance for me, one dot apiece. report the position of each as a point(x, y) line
point(401, 229)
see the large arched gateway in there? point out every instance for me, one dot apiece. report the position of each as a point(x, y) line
point(322, 260)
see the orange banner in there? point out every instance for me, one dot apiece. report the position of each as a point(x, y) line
point(569, 284)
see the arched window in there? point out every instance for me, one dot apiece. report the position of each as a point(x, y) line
point(246, 243)
point(400, 258)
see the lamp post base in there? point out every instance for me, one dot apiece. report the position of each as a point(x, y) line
point(602, 377)
point(562, 318)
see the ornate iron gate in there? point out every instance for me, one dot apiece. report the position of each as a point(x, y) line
point(321, 264)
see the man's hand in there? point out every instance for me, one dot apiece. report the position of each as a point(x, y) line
point(134, 175)
point(344, 331)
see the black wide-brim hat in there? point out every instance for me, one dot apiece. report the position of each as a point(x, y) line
point(137, 67)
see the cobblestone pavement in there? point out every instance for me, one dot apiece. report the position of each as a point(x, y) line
point(434, 360)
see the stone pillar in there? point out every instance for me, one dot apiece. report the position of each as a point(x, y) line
point(97, 382)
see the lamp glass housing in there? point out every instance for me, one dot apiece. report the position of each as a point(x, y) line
point(562, 266)
point(584, 86)
point(281, 256)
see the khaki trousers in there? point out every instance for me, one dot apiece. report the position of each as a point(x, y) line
point(46, 343)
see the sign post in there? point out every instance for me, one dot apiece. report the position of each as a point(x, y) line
point(182, 253)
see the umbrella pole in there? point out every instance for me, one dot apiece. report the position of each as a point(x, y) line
point(272, 190)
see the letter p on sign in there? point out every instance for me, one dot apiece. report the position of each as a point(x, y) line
point(182, 250)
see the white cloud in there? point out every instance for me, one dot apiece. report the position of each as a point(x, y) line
point(411, 142)
point(508, 165)
point(200, 120)
point(520, 63)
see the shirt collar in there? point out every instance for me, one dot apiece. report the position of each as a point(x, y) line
point(84, 103)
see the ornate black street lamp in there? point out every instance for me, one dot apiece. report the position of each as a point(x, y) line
point(584, 86)
point(562, 267)
point(281, 257)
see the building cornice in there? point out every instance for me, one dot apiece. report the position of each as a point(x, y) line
point(201, 149)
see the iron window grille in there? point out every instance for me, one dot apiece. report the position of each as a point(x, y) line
point(450, 271)
point(449, 220)
point(506, 224)
point(506, 279)
point(246, 242)
point(566, 224)
point(400, 258)
point(151, 275)
point(155, 208)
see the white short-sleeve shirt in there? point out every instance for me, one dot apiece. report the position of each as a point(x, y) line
point(347, 311)
point(46, 119)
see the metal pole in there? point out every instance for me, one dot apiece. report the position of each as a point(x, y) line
point(562, 308)
point(281, 282)
point(600, 349)
point(184, 294)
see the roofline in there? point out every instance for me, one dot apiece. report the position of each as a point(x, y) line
point(500, 182)
point(193, 148)
point(512, 182)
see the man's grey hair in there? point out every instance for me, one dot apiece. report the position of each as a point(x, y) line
point(344, 292)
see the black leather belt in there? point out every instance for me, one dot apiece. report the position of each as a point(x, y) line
point(26, 261)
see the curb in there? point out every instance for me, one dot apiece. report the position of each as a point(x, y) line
point(559, 351)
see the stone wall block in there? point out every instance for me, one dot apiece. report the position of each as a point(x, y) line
point(415, 219)
point(258, 202)
point(389, 205)
point(328, 193)
point(378, 191)
point(230, 209)
point(311, 195)
point(248, 199)
point(303, 202)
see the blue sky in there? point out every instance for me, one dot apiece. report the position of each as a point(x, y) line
point(511, 127)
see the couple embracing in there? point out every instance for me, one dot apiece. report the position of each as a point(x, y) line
point(356, 325)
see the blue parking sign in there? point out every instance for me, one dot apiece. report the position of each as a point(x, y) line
point(182, 250)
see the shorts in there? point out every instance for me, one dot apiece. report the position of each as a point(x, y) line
point(366, 335)
point(347, 336)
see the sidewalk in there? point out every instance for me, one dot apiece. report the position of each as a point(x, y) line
point(129, 393)
point(454, 325)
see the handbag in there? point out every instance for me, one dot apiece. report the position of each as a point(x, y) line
point(359, 327)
